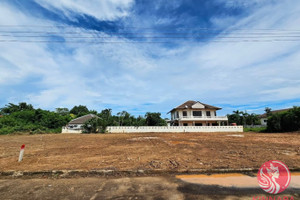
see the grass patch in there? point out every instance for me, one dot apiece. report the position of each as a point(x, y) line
point(256, 129)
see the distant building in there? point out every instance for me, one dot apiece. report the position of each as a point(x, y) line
point(75, 125)
point(195, 113)
point(264, 117)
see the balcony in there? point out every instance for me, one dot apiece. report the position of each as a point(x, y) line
point(202, 118)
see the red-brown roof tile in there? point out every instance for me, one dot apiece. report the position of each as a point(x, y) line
point(190, 103)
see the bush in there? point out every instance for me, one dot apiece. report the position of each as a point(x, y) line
point(284, 121)
point(6, 130)
point(92, 126)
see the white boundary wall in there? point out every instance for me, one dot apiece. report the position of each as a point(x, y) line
point(65, 130)
point(172, 129)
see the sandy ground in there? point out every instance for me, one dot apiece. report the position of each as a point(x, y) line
point(161, 151)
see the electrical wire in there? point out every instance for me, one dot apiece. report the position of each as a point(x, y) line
point(94, 36)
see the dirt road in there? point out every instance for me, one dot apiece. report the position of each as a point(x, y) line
point(139, 188)
point(154, 151)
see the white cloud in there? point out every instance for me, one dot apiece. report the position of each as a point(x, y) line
point(243, 3)
point(102, 10)
point(128, 75)
point(240, 72)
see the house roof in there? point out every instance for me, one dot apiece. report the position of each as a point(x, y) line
point(190, 103)
point(82, 119)
point(274, 111)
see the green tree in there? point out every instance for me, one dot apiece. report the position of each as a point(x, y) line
point(268, 111)
point(243, 118)
point(236, 117)
point(24, 118)
point(121, 116)
point(125, 119)
point(92, 126)
point(274, 124)
point(93, 112)
point(253, 119)
point(107, 119)
point(139, 121)
point(79, 110)
point(11, 108)
point(62, 111)
point(284, 121)
point(154, 119)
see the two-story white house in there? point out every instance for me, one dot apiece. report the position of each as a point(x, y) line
point(195, 113)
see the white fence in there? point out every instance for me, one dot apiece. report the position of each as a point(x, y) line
point(172, 129)
point(66, 130)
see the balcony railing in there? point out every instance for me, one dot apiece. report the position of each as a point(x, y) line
point(202, 117)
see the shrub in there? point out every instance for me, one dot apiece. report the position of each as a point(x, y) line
point(92, 126)
point(284, 121)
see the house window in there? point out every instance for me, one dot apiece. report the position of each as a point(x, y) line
point(198, 124)
point(207, 124)
point(215, 113)
point(185, 124)
point(208, 113)
point(184, 113)
point(197, 113)
point(177, 114)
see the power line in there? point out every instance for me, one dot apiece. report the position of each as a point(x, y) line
point(128, 33)
point(140, 37)
point(149, 37)
point(95, 42)
point(5, 33)
point(160, 27)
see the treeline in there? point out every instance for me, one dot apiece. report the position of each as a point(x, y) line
point(243, 118)
point(283, 121)
point(24, 117)
point(123, 118)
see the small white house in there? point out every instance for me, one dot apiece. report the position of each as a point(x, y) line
point(195, 113)
point(75, 125)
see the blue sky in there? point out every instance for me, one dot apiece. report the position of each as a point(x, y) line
point(142, 55)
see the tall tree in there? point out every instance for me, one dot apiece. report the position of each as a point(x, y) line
point(79, 110)
point(154, 119)
point(10, 108)
point(243, 118)
point(268, 111)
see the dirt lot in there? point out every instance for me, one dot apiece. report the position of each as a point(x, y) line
point(138, 188)
point(178, 151)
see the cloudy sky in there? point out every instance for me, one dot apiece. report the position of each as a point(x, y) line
point(150, 55)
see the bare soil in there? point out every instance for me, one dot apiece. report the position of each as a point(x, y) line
point(149, 151)
point(138, 188)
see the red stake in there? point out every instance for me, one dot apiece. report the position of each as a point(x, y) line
point(21, 152)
